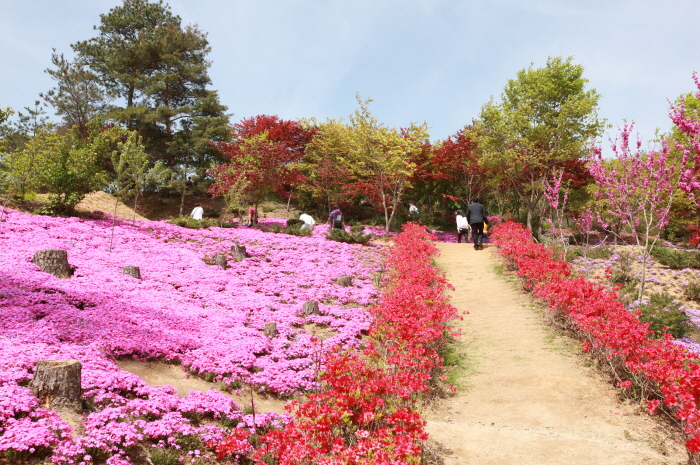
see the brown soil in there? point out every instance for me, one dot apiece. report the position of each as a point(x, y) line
point(158, 374)
point(102, 201)
point(530, 397)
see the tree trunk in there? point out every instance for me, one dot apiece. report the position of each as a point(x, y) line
point(344, 281)
point(114, 217)
point(239, 252)
point(270, 329)
point(2, 213)
point(133, 271)
point(220, 260)
point(310, 308)
point(57, 384)
point(184, 182)
point(133, 218)
point(53, 261)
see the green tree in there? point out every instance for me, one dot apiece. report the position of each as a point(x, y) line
point(65, 164)
point(14, 134)
point(79, 96)
point(22, 169)
point(378, 156)
point(544, 122)
point(157, 70)
point(5, 114)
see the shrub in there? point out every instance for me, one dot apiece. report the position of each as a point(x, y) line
point(188, 222)
point(622, 270)
point(357, 228)
point(57, 205)
point(676, 259)
point(663, 312)
point(692, 290)
point(340, 235)
point(296, 230)
point(212, 212)
point(293, 228)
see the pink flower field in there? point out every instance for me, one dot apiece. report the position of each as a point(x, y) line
point(183, 310)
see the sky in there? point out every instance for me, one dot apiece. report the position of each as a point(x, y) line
point(434, 61)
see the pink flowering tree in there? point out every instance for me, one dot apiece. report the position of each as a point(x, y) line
point(557, 199)
point(688, 123)
point(639, 188)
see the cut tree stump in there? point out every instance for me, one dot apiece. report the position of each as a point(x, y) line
point(220, 260)
point(57, 384)
point(344, 281)
point(133, 271)
point(310, 308)
point(270, 329)
point(53, 261)
point(239, 252)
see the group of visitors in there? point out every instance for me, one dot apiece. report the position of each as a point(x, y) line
point(474, 221)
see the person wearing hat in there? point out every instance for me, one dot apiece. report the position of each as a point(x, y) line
point(476, 216)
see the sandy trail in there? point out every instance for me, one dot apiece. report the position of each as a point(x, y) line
point(531, 399)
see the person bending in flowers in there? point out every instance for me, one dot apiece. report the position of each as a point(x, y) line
point(336, 219)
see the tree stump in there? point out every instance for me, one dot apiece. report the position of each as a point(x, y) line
point(239, 252)
point(57, 384)
point(270, 329)
point(220, 260)
point(53, 261)
point(133, 271)
point(139, 455)
point(310, 308)
point(344, 281)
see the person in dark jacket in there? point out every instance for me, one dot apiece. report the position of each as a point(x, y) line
point(476, 216)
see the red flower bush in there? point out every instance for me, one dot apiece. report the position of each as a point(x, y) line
point(663, 372)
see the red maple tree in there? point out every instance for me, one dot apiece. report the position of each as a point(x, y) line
point(264, 153)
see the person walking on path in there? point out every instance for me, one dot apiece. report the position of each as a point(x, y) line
point(336, 219)
point(197, 212)
point(476, 216)
point(462, 227)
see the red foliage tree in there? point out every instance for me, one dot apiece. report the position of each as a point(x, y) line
point(264, 154)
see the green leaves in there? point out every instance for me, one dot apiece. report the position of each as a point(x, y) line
point(544, 120)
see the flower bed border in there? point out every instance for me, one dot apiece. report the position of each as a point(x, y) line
point(657, 370)
point(367, 411)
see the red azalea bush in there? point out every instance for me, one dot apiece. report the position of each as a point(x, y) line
point(366, 411)
point(657, 370)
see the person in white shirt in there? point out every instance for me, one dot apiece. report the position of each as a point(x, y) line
point(412, 211)
point(462, 227)
point(197, 212)
point(308, 222)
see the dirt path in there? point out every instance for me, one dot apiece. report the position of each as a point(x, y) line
point(530, 398)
